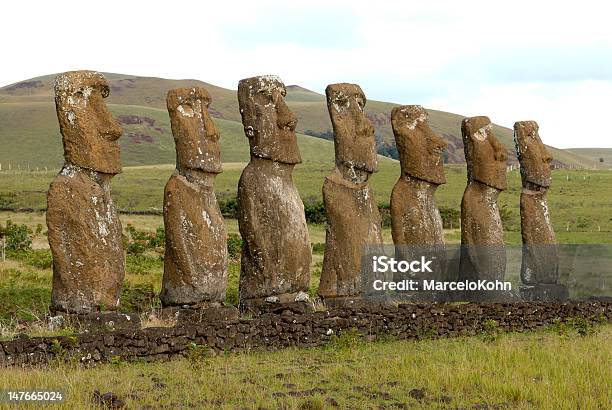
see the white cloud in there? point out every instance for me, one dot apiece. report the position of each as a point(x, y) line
point(569, 114)
point(510, 60)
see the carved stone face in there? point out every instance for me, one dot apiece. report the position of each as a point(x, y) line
point(532, 154)
point(353, 133)
point(195, 134)
point(484, 154)
point(420, 149)
point(268, 123)
point(89, 131)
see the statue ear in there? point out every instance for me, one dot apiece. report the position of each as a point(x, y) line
point(249, 131)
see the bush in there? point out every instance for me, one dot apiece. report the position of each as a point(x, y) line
point(451, 218)
point(234, 245)
point(318, 248)
point(385, 214)
point(136, 242)
point(39, 258)
point(229, 207)
point(197, 355)
point(17, 237)
point(139, 297)
point(315, 212)
point(346, 339)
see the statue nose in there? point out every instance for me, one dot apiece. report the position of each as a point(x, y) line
point(286, 118)
point(113, 130)
point(440, 144)
point(211, 129)
point(365, 127)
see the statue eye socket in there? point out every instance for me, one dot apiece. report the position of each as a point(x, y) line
point(360, 102)
point(266, 93)
point(341, 100)
point(186, 110)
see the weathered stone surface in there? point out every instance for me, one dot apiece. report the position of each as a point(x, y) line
point(98, 321)
point(540, 262)
point(195, 263)
point(89, 132)
point(284, 329)
point(353, 220)
point(482, 254)
point(545, 292)
point(414, 214)
point(207, 315)
point(416, 225)
point(84, 229)
point(276, 252)
point(293, 302)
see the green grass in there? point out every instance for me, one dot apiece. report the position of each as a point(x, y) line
point(580, 201)
point(540, 370)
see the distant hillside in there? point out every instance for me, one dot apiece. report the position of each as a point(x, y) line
point(603, 156)
point(29, 133)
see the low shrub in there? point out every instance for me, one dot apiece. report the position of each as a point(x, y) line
point(234, 245)
point(451, 218)
point(229, 207)
point(315, 212)
point(139, 297)
point(137, 241)
point(17, 237)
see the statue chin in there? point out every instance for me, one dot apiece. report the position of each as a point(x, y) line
point(354, 174)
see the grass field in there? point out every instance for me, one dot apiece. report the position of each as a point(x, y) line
point(580, 201)
point(542, 370)
point(520, 371)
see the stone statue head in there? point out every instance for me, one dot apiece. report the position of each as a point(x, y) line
point(195, 135)
point(354, 140)
point(89, 131)
point(420, 149)
point(484, 154)
point(532, 154)
point(268, 123)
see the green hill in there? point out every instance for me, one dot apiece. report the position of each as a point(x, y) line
point(29, 133)
point(603, 156)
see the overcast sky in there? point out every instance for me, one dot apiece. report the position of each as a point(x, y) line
point(512, 61)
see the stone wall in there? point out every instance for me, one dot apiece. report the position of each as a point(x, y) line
point(273, 331)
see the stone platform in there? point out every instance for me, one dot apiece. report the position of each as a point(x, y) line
point(274, 331)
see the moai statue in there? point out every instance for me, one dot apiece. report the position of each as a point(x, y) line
point(84, 229)
point(195, 263)
point(353, 220)
point(540, 264)
point(276, 253)
point(415, 218)
point(482, 236)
